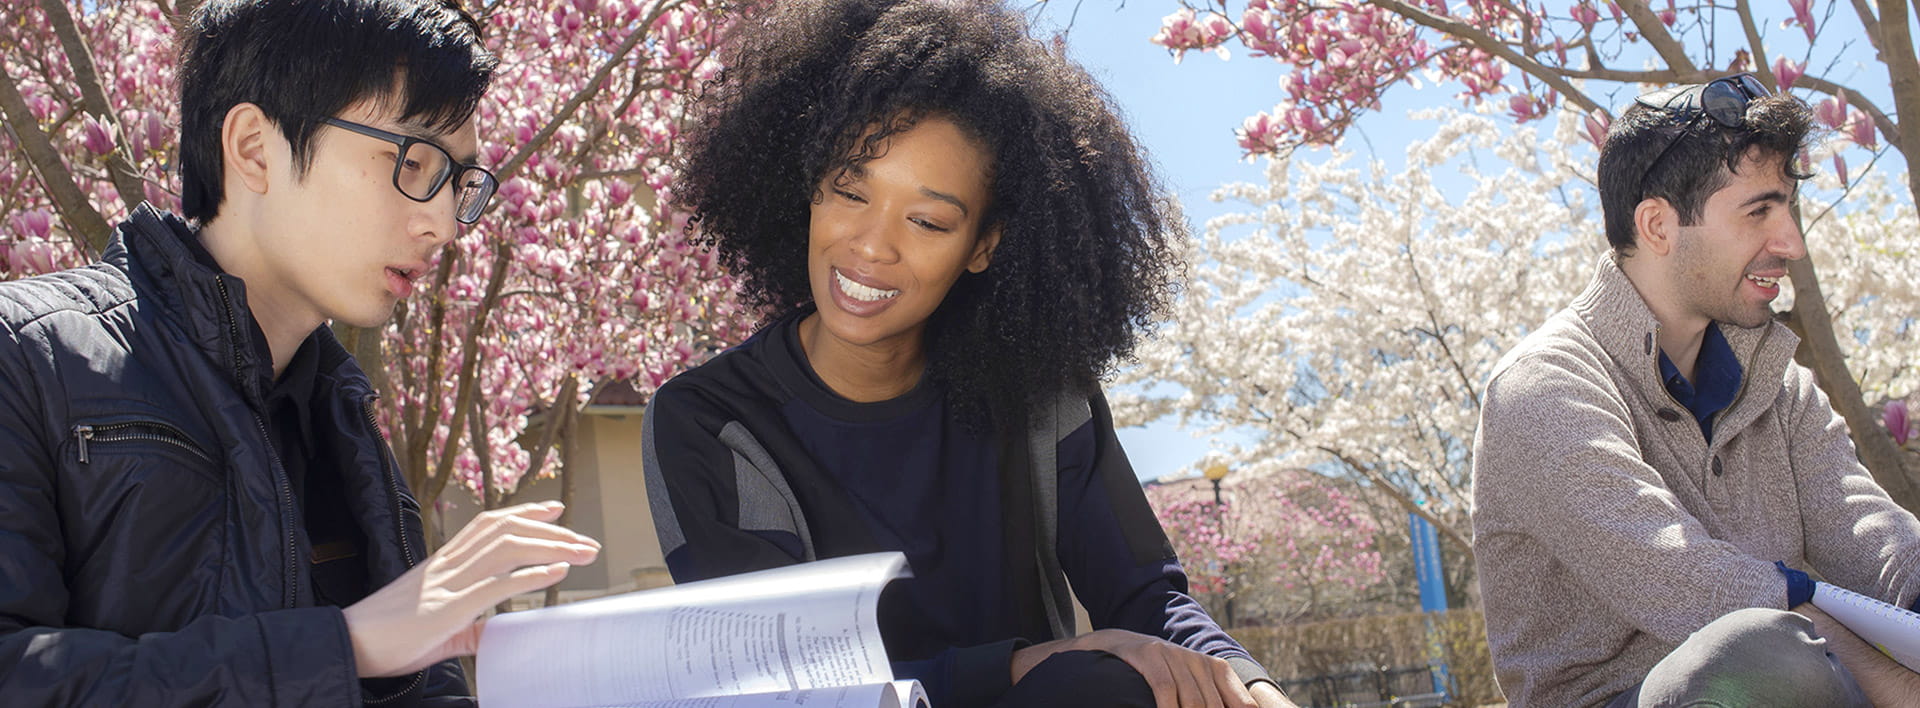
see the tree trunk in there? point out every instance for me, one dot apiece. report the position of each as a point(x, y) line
point(1903, 70)
point(1820, 351)
point(567, 438)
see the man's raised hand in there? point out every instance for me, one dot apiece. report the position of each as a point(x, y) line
point(432, 612)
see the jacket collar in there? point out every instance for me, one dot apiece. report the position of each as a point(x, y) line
point(210, 306)
point(1627, 330)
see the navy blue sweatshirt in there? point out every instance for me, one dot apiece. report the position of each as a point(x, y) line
point(752, 462)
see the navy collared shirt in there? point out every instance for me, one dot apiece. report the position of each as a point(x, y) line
point(1719, 380)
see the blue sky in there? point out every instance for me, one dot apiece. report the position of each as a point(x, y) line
point(1185, 115)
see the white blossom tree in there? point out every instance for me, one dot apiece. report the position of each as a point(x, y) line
point(1348, 319)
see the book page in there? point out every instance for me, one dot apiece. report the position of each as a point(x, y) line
point(800, 627)
point(896, 694)
point(1893, 630)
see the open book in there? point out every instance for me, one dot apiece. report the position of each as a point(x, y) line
point(801, 635)
point(1893, 630)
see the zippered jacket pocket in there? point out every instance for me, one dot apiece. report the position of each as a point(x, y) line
point(90, 438)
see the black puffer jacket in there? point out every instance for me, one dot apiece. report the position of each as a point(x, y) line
point(149, 553)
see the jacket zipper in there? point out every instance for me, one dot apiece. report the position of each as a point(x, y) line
point(123, 432)
point(289, 599)
point(393, 480)
point(399, 529)
point(286, 493)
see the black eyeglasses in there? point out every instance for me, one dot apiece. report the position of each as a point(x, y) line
point(1725, 100)
point(421, 168)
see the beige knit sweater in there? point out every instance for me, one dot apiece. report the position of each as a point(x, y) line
point(1607, 528)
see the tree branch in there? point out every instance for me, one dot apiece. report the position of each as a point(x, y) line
point(125, 180)
point(1754, 44)
point(1864, 9)
point(84, 223)
point(1398, 496)
point(1655, 31)
point(1551, 77)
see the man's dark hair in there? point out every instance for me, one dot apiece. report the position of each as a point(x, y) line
point(302, 61)
point(1692, 170)
point(1084, 262)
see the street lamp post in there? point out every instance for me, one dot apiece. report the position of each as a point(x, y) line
point(1216, 472)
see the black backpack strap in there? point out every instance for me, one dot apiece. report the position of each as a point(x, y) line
point(1046, 428)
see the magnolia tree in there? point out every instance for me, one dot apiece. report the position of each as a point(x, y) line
point(578, 277)
point(581, 277)
point(1528, 60)
point(1281, 545)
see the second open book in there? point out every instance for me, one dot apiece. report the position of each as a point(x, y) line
point(800, 635)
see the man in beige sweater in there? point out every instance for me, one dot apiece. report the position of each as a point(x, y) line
point(1654, 477)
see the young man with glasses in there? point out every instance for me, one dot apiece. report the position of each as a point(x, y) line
point(1654, 477)
point(196, 504)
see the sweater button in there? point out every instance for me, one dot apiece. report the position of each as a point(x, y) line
point(1716, 467)
point(1668, 414)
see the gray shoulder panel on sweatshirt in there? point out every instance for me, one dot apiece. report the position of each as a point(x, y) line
point(666, 524)
point(767, 503)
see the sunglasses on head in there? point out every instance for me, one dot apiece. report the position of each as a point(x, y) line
point(1724, 100)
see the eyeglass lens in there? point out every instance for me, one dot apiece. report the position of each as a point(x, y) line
point(476, 186)
point(422, 169)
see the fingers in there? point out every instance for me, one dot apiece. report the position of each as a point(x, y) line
point(1181, 677)
point(493, 590)
point(532, 519)
point(1233, 693)
point(1186, 684)
point(525, 520)
point(505, 553)
point(1153, 668)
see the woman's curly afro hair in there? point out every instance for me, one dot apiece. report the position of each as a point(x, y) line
point(1084, 263)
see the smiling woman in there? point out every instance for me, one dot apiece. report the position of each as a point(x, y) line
point(952, 237)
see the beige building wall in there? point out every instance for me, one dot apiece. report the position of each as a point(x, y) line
point(609, 504)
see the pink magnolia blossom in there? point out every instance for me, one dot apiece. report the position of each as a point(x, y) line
point(1785, 72)
point(1597, 124)
point(32, 258)
point(1895, 417)
point(1832, 112)
point(1802, 16)
point(35, 224)
point(1860, 129)
point(1260, 134)
point(1184, 30)
point(96, 135)
point(1585, 14)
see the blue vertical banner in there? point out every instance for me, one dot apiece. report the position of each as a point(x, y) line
point(1433, 593)
point(1426, 564)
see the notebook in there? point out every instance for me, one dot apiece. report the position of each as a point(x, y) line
point(1893, 630)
